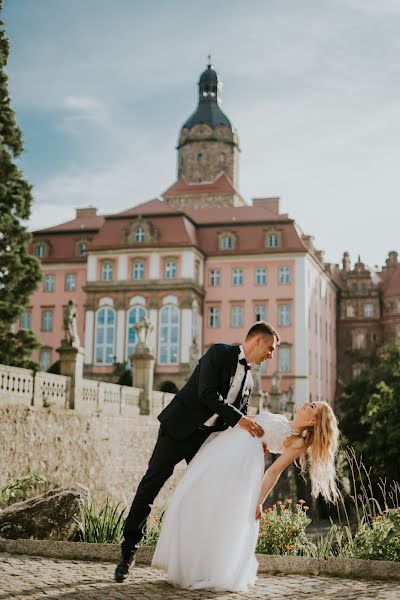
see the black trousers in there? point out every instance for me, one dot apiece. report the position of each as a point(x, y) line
point(166, 454)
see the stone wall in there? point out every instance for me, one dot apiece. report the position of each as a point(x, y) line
point(107, 454)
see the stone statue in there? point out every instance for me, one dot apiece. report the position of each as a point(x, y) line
point(71, 337)
point(194, 353)
point(143, 329)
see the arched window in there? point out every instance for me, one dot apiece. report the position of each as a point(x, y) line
point(105, 336)
point(135, 314)
point(168, 346)
point(139, 234)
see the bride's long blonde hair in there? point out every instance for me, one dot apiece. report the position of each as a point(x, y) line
point(319, 458)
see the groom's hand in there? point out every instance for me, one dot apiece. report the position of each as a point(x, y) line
point(251, 426)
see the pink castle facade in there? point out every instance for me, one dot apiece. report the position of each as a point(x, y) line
point(201, 263)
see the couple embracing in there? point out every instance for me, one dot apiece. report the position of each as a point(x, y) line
point(210, 528)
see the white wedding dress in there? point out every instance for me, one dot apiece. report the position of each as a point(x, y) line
point(209, 531)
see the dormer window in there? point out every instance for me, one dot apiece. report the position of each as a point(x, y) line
point(273, 239)
point(227, 241)
point(41, 250)
point(139, 234)
point(81, 248)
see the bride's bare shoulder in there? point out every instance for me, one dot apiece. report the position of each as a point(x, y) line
point(295, 441)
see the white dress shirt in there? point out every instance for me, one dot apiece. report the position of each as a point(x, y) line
point(235, 385)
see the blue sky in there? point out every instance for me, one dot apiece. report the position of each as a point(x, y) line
point(101, 89)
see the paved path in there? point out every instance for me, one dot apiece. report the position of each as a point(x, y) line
point(26, 577)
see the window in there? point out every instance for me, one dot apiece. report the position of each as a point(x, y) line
point(199, 157)
point(260, 312)
point(350, 312)
point(26, 320)
point(139, 234)
point(169, 336)
point(237, 316)
point(197, 271)
point(214, 277)
point(170, 269)
point(226, 242)
point(272, 240)
point(105, 334)
point(45, 359)
point(138, 269)
point(70, 282)
point(237, 276)
point(107, 271)
point(82, 248)
point(364, 286)
point(368, 310)
point(354, 286)
point(40, 250)
point(284, 275)
point(47, 320)
point(283, 359)
point(261, 276)
point(213, 317)
point(284, 314)
point(49, 283)
point(135, 314)
point(359, 340)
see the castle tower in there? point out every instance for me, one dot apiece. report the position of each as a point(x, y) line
point(208, 144)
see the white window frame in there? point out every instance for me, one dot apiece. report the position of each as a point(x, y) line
point(227, 242)
point(237, 276)
point(368, 310)
point(49, 277)
point(272, 240)
point(26, 319)
point(47, 320)
point(107, 271)
point(284, 359)
point(40, 250)
point(170, 269)
point(214, 277)
point(105, 345)
point(45, 352)
point(284, 275)
point(237, 316)
point(284, 314)
point(138, 269)
point(260, 315)
point(261, 276)
point(68, 278)
point(139, 234)
point(166, 348)
point(214, 317)
point(135, 313)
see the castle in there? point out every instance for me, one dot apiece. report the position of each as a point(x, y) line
point(203, 264)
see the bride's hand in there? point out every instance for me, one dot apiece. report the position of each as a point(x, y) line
point(251, 426)
point(259, 512)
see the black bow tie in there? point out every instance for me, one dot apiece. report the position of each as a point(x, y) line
point(246, 365)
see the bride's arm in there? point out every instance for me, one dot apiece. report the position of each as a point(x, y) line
point(273, 472)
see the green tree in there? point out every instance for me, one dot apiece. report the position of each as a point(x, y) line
point(19, 272)
point(369, 414)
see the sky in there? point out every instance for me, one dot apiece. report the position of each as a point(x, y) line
point(101, 89)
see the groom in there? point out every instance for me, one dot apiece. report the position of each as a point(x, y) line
point(214, 398)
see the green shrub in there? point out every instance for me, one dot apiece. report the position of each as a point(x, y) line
point(153, 528)
point(104, 526)
point(379, 539)
point(21, 488)
point(282, 529)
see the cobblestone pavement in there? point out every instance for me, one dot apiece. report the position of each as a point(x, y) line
point(26, 577)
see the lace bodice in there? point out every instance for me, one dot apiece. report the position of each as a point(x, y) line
point(276, 430)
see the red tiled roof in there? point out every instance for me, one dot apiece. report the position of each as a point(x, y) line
point(233, 214)
point(83, 222)
point(151, 207)
point(220, 185)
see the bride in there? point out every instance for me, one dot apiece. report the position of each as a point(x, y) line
point(210, 528)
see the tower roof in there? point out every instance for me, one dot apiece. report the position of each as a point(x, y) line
point(208, 111)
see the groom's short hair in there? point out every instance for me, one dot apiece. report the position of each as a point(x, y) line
point(262, 328)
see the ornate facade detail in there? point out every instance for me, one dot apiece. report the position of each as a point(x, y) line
point(140, 232)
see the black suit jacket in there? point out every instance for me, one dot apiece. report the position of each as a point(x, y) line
point(204, 395)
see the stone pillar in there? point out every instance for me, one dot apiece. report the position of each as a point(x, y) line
point(142, 361)
point(71, 365)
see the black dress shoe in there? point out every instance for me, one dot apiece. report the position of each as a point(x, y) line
point(122, 568)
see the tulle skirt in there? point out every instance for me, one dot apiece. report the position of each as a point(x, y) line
point(209, 531)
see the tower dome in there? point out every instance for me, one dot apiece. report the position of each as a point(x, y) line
point(208, 144)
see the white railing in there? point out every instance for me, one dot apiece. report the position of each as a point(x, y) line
point(50, 390)
point(23, 386)
point(160, 401)
point(16, 385)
